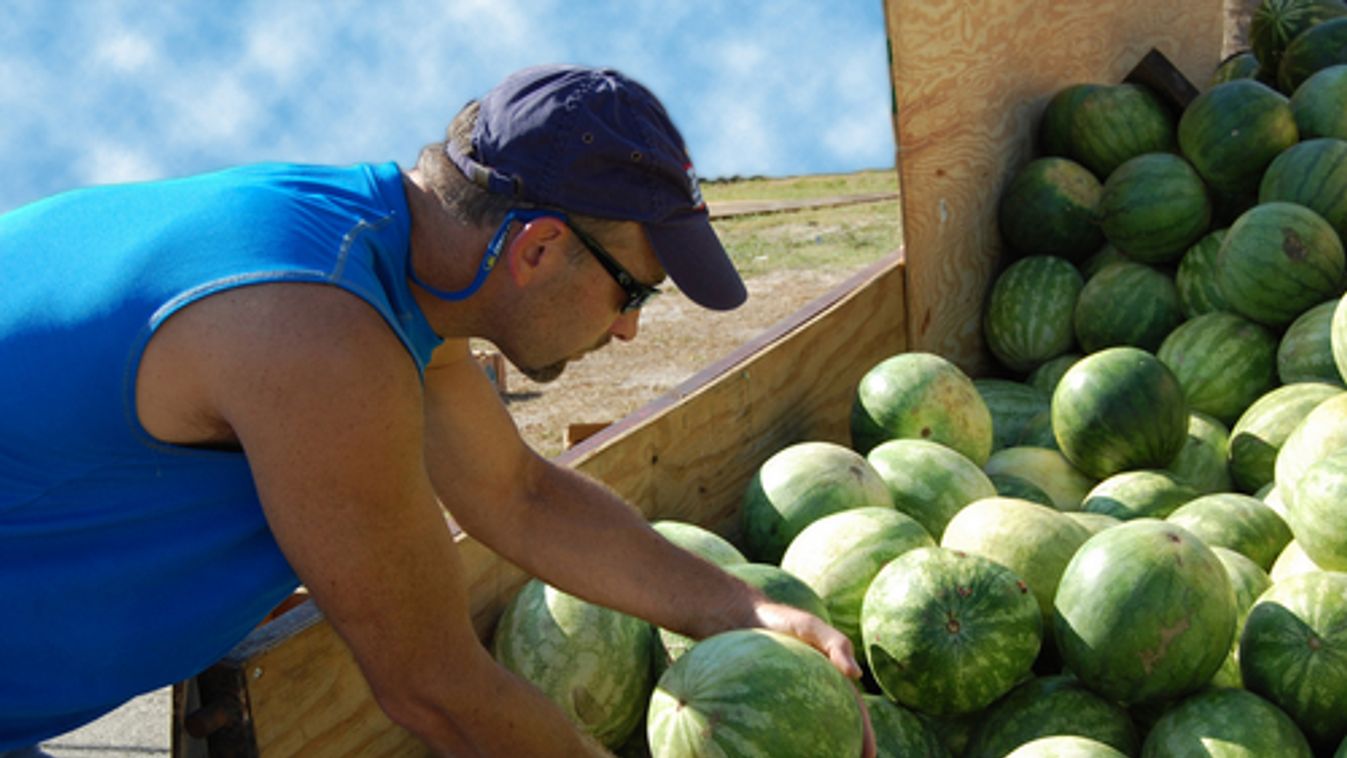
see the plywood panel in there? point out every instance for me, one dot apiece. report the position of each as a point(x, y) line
point(971, 79)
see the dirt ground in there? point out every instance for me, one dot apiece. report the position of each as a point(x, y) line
point(676, 339)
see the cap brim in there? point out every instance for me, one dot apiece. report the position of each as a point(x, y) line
point(691, 254)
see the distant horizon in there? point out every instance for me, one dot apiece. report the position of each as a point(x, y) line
point(106, 91)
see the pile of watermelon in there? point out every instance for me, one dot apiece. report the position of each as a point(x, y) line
point(1130, 539)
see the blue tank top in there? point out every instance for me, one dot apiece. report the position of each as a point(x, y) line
point(125, 563)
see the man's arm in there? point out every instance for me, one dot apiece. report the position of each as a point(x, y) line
point(326, 404)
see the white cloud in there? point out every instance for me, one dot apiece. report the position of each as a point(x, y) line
point(111, 162)
point(126, 51)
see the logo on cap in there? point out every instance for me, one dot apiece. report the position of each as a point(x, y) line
point(697, 202)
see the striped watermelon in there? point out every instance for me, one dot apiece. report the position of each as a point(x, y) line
point(1028, 316)
point(1317, 511)
point(1021, 413)
point(1294, 652)
point(1320, 104)
point(1312, 174)
point(1275, 23)
point(1126, 304)
point(1242, 523)
point(1054, 128)
point(1050, 208)
point(1137, 494)
point(1094, 523)
point(1119, 409)
point(1249, 581)
point(921, 396)
point(1202, 463)
point(1321, 433)
point(1292, 562)
point(1225, 722)
point(1317, 48)
point(1111, 124)
point(700, 541)
point(1144, 612)
point(1046, 469)
point(1104, 257)
point(899, 731)
point(1222, 361)
point(1153, 207)
point(753, 693)
point(1239, 65)
point(1305, 353)
point(1065, 746)
point(1232, 132)
point(948, 632)
point(591, 661)
point(1046, 376)
point(1009, 485)
point(1196, 277)
point(928, 481)
point(1262, 430)
point(1278, 260)
point(1051, 705)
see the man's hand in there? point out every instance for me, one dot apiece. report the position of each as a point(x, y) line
point(827, 640)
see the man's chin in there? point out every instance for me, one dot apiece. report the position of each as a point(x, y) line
point(544, 374)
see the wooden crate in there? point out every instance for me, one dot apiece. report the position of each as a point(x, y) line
point(969, 81)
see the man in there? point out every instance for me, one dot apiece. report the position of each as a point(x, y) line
point(218, 387)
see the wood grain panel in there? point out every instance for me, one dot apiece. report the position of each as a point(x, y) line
point(971, 79)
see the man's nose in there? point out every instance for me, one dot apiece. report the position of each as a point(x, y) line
point(626, 326)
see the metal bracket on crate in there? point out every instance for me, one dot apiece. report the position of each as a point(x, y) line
point(1161, 75)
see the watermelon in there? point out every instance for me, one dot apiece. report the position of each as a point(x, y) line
point(1263, 428)
point(774, 582)
point(1009, 485)
point(1065, 746)
point(1223, 362)
point(1202, 462)
point(699, 541)
point(1046, 376)
point(1242, 64)
point(1312, 174)
point(1136, 494)
point(1275, 23)
point(753, 693)
point(1119, 409)
point(1338, 337)
point(1249, 581)
point(1054, 129)
point(921, 396)
point(1034, 541)
point(1111, 124)
point(1019, 411)
point(593, 662)
point(1322, 432)
point(1305, 353)
point(1292, 562)
point(948, 632)
point(1105, 256)
point(1094, 523)
point(1319, 104)
point(1239, 522)
point(1225, 722)
point(1046, 469)
point(1294, 652)
point(1028, 316)
point(1046, 706)
point(1126, 304)
point(1144, 612)
point(900, 732)
point(1317, 511)
point(1232, 132)
point(928, 481)
point(838, 555)
point(1050, 208)
point(799, 485)
point(1153, 207)
point(1195, 279)
point(1316, 48)
point(1278, 260)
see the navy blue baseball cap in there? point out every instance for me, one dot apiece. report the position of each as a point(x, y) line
point(592, 141)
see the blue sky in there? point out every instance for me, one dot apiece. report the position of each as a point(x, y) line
point(97, 91)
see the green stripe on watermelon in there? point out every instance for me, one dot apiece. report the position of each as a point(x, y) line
point(1054, 128)
point(1232, 132)
point(1237, 721)
point(1239, 522)
point(1144, 612)
point(1153, 207)
point(1262, 430)
point(1278, 260)
point(1028, 316)
point(1196, 277)
point(1126, 304)
point(1317, 48)
point(1051, 208)
point(753, 693)
point(1320, 104)
point(1224, 363)
point(1018, 410)
point(1294, 652)
point(1312, 174)
point(1119, 409)
point(1202, 463)
point(1046, 376)
point(899, 731)
point(1051, 705)
point(1114, 123)
point(947, 632)
point(1274, 23)
point(1305, 353)
point(921, 396)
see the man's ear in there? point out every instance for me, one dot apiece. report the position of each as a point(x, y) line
point(535, 249)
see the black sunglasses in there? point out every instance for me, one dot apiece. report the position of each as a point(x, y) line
point(638, 293)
